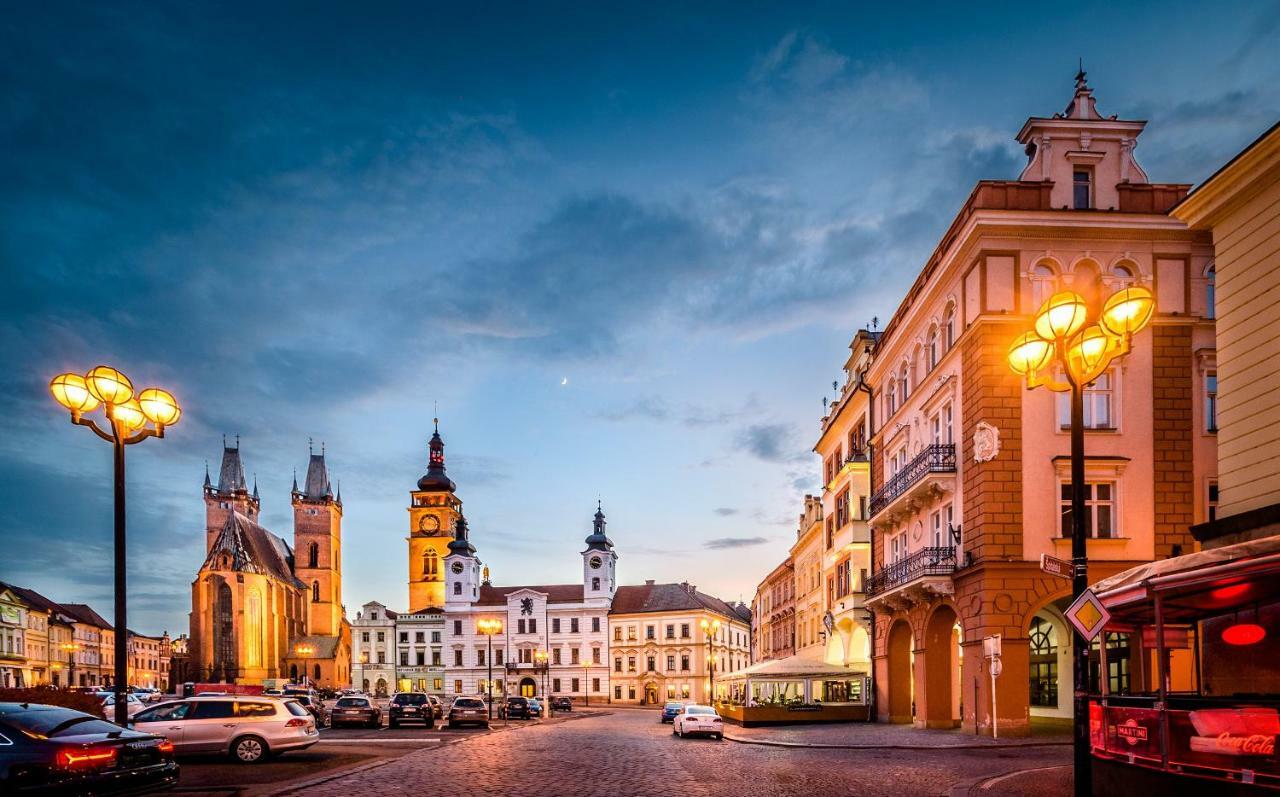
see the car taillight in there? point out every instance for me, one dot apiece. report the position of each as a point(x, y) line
point(717, 721)
point(87, 758)
point(297, 722)
point(165, 746)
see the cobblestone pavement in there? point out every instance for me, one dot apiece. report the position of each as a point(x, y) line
point(628, 753)
point(874, 734)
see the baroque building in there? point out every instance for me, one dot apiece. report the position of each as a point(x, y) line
point(257, 611)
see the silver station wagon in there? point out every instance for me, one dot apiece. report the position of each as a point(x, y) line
point(247, 728)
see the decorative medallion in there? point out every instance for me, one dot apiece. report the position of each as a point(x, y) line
point(986, 442)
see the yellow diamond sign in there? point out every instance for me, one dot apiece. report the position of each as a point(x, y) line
point(1088, 615)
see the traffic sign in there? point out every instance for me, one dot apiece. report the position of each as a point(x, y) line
point(1087, 615)
point(1055, 566)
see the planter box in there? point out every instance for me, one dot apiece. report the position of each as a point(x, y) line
point(757, 716)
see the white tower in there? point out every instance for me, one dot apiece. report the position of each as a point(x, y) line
point(599, 563)
point(462, 569)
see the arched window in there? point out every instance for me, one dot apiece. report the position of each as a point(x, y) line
point(949, 327)
point(313, 555)
point(315, 591)
point(904, 391)
point(1123, 275)
point(1210, 291)
point(1044, 663)
point(891, 396)
point(430, 563)
point(931, 348)
point(1043, 284)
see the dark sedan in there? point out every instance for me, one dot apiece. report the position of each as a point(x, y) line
point(54, 750)
point(410, 707)
point(670, 710)
point(355, 711)
point(516, 708)
point(561, 704)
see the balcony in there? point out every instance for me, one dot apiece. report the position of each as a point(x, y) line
point(525, 666)
point(922, 576)
point(909, 486)
point(856, 460)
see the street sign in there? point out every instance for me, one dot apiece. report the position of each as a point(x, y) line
point(1087, 615)
point(1055, 566)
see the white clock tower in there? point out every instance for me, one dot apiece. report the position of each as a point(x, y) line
point(599, 563)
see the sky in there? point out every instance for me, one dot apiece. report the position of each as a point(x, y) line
point(622, 247)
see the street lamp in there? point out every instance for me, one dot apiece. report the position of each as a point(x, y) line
point(489, 627)
point(540, 657)
point(364, 659)
point(127, 416)
point(71, 648)
point(304, 651)
point(710, 628)
point(1063, 341)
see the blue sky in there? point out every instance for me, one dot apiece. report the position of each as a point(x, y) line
point(316, 220)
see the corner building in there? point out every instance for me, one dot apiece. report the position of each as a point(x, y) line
point(970, 472)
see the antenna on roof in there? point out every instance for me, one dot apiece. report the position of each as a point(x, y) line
point(310, 446)
point(875, 322)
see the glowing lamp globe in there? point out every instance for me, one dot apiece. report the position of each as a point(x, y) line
point(159, 406)
point(109, 385)
point(70, 391)
point(1128, 311)
point(1089, 349)
point(130, 414)
point(1061, 316)
point(1243, 634)
point(1029, 353)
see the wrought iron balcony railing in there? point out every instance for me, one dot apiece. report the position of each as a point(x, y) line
point(936, 458)
point(924, 562)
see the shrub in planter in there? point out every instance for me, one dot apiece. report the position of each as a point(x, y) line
point(79, 701)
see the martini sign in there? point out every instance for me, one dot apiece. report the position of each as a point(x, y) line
point(1087, 615)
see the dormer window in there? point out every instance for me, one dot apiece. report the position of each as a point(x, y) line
point(1082, 189)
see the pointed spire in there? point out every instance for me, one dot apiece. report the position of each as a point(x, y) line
point(255, 485)
point(295, 481)
point(207, 484)
point(599, 541)
point(435, 480)
point(460, 545)
point(316, 485)
point(339, 499)
point(231, 474)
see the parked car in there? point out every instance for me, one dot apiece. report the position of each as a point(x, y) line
point(410, 707)
point(311, 703)
point(670, 710)
point(561, 704)
point(54, 750)
point(516, 708)
point(437, 708)
point(468, 711)
point(694, 719)
point(535, 707)
point(247, 727)
point(355, 710)
point(133, 703)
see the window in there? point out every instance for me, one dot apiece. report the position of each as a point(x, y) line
point(1044, 664)
point(617, 633)
point(843, 570)
point(649, 632)
point(480, 657)
point(1210, 293)
point(1043, 283)
point(830, 532)
point(1099, 510)
point(617, 664)
point(404, 658)
point(555, 625)
point(457, 627)
point(573, 625)
point(315, 591)
point(595, 625)
point(671, 662)
point(595, 583)
point(555, 655)
point(931, 348)
point(573, 655)
point(898, 547)
point(631, 663)
point(364, 636)
point(595, 684)
point(404, 638)
point(1211, 401)
point(573, 685)
point(1081, 185)
point(533, 626)
point(520, 626)
point(595, 655)
point(457, 686)
point(430, 563)
point(1098, 404)
point(313, 557)
point(1213, 501)
point(651, 664)
point(684, 663)
point(842, 508)
point(555, 684)
point(617, 693)
point(904, 391)
point(1123, 276)
point(949, 326)
point(382, 637)
point(497, 657)
point(939, 534)
point(684, 630)
point(435, 658)
point(890, 397)
point(457, 588)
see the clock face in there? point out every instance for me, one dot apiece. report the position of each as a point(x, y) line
point(429, 523)
point(457, 568)
point(595, 563)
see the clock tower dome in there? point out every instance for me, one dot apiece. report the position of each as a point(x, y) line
point(599, 562)
point(434, 511)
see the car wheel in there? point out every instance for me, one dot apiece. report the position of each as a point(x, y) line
point(249, 749)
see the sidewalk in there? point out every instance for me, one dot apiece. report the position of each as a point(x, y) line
point(857, 735)
point(1038, 782)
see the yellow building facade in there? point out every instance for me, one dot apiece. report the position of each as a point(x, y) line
point(434, 511)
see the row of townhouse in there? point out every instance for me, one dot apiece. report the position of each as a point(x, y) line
point(946, 480)
point(69, 644)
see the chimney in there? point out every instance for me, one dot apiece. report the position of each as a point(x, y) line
point(648, 582)
point(692, 589)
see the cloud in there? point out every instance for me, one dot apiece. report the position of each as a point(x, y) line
point(771, 442)
point(722, 543)
point(725, 511)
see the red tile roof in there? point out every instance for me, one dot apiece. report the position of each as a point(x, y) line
point(556, 593)
point(670, 598)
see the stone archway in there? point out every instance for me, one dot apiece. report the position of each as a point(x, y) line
point(381, 687)
point(528, 687)
point(899, 649)
point(942, 669)
point(650, 693)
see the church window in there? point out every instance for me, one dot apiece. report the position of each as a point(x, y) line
point(313, 557)
point(430, 563)
point(253, 628)
point(315, 591)
point(595, 583)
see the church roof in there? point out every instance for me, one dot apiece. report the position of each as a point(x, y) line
point(669, 598)
point(231, 474)
point(322, 647)
point(556, 593)
point(316, 486)
point(252, 549)
point(598, 540)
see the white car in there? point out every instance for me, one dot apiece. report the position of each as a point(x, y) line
point(694, 719)
point(249, 728)
point(133, 704)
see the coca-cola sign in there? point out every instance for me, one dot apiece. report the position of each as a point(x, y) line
point(1253, 744)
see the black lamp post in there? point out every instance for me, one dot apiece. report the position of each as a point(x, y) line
point(127, 417)
point(710, 629)
point(489, 627)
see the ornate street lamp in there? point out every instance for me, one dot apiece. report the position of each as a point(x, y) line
point(489, 627)
point(126, 417)
point(710, 628)
point(1064, 342)
point(304, 651)
point(540, 657)
point(71, 648)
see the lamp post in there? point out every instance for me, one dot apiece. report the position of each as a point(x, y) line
point(304, 651)
point(709, 629)
point(126, 417)
point(540, 657)
point(364, 659)
point(489, 627)
point(1064, 341)
point(586, 685)
point(71, 648)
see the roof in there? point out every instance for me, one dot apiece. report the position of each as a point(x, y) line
point(252, 549)
point(231, 475)
point(794, 667)
point(645, 598)
point(33, 599)
point(1193, 566)
point(427, 610)
point(84, 613)
point(317, 484)
point(323, 647)
point(556, 593)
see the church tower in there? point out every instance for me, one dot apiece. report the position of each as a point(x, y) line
point(317, 546)
point(599, 562)
point(463, 574)
point(434, 512)
point(230, 495)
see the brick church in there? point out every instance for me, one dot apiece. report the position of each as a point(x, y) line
point(261, 608)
